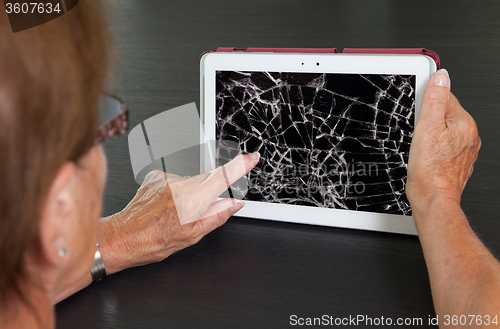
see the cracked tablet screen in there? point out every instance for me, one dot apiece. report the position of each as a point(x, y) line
point(326, 140)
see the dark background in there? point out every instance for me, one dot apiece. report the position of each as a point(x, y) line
point(253, 273)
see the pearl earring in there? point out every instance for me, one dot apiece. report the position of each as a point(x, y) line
point(62, 251)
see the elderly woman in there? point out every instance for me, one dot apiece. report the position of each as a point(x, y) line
point(52, 174)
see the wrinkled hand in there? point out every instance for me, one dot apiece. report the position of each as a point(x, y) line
point(169, 213)
point(444, 148)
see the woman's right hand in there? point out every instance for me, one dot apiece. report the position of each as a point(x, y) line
point(444, 148)
point(169, 213)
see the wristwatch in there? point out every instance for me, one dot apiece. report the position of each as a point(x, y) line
point(98, 271)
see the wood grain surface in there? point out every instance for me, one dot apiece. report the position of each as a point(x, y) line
point(253, 273)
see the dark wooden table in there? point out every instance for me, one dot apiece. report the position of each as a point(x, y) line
point(253, 273)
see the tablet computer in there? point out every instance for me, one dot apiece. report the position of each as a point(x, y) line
point(333, 131)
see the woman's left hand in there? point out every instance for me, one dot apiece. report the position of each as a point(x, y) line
point(169, 213)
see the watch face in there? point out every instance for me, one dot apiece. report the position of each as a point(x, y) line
point(98, 271)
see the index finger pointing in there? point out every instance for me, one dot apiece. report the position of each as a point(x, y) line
point(222, 177)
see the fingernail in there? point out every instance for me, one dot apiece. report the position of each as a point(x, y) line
point(237, 206)
point(441, 78)
point(254, 156)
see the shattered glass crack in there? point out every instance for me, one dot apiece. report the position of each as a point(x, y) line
point(326, 140)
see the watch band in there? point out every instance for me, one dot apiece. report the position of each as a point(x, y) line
point(98, 271)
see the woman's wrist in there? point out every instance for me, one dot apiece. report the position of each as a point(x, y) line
point(437, 212)
point(110, 245)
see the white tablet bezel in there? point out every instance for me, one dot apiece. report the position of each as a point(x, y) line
point(419, 65)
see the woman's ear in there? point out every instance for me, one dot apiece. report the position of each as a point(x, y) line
point(59, 206)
